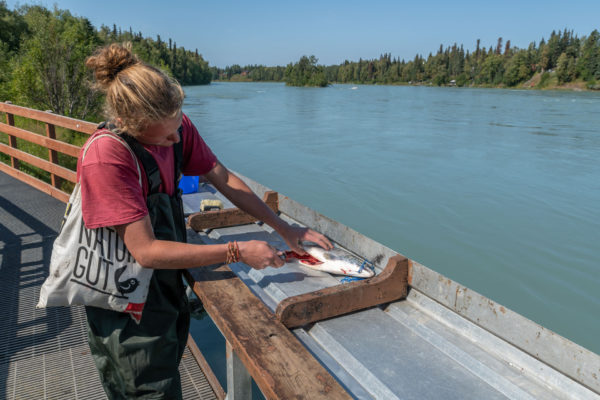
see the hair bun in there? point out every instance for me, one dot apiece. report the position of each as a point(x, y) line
point(108, 61)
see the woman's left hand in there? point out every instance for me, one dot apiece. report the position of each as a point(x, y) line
point(295, 235)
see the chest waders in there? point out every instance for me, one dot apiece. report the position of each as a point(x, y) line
point(141, 361)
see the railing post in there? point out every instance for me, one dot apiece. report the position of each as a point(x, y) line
point(239, 382)
point(52, 154)
point(12, 141)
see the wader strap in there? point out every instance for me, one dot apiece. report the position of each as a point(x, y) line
point(149, 163)
point(178, 155)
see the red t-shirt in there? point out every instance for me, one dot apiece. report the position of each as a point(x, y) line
point(110, 190)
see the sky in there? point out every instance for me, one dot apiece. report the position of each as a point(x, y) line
point(279, 32)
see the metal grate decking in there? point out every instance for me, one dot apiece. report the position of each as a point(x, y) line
point(44, 353)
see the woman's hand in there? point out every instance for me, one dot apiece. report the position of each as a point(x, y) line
point(240, 194)
point(295, 235)
point(258, 254)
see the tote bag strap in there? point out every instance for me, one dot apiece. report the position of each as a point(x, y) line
point(118, 139)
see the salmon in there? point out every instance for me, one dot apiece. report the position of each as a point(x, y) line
point(335, 261)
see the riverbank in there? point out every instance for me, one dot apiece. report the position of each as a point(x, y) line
point(539, 81)
point(549, 81)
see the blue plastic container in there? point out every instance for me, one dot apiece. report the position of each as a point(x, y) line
point(189, 184)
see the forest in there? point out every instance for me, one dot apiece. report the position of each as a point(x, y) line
point(562, 60)
point(43, 52)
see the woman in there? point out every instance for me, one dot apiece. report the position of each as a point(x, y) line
point(144, 106)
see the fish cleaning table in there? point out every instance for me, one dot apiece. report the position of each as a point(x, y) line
point(442, 341)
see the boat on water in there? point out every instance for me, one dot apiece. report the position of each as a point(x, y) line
point(443, 341)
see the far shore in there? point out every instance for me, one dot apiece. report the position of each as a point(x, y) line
point(579, 86)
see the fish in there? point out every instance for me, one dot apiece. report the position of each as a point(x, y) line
point(335, 261)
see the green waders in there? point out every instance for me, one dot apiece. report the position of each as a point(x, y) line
point(141, 361)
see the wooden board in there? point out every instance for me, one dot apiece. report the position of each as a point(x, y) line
point(54, 119)
point(280, 365)
point(43, 141)
point(390, 285)
point(12, 141)
point(36, 183)
point(48, 166)
point(228, 217)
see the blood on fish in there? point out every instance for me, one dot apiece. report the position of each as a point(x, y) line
point(335, 261)
point(306, 259)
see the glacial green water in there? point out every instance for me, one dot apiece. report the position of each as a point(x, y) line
point(497, 189)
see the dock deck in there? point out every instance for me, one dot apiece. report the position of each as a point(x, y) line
point(44, 352)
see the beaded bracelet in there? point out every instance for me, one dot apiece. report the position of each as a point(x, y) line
point(233, 253)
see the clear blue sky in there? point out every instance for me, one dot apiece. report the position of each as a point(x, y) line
point(278, 32)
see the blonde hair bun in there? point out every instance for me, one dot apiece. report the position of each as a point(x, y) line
point(137, 94)
point(108, 61)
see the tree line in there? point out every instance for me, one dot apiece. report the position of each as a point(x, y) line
point(305, 72)
point(249, 73)
point(43, 52)
point(562, 59)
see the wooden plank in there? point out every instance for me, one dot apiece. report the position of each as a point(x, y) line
point(54, 119)
point(208, 372)
point(12, 141)
point(36, 183)
point(52, 154)
point(40, 163)
point(230, 216)
point(390, 285)
point(280, 365)
point(53, 144)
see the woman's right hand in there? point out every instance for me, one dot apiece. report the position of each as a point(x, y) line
point(259, 255)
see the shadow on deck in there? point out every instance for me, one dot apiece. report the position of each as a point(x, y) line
point(44, 352)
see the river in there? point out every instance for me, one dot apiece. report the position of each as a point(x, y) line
point(496, 189)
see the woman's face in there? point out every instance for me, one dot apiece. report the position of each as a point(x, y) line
point(163, 133)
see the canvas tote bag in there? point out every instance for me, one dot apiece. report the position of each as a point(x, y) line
point(93, 267)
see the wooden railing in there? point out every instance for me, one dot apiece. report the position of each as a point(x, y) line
point(258, 345)
point(49, 141)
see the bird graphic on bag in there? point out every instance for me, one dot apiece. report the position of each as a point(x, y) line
point(126, 286)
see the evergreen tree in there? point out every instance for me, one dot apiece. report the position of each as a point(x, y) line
point(561, 68)
point(588, 65)
point(507, 48)
point(12, 30)
point(50, 72)
point(305, 72)
point(43, 52)
point(517, 69)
